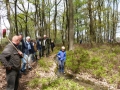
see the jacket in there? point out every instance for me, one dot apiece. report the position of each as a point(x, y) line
point(27, 51)
point(10, 57)
point(52, 45)
point(39, 44)
point(22, 46)
point(61, 55)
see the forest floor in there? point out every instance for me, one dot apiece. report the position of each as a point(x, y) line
point(82, 77)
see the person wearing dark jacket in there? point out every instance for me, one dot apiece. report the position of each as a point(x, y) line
point(39, 46)
point(45, 46)
point(52, 45)
point(29, 51)
point(11, 59)
point(21, 47)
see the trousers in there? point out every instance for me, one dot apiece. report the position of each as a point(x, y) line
point(12, 77)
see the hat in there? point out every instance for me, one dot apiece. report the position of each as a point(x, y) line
point(63, 47)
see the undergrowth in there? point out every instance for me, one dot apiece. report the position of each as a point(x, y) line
point(102, 62)
point(56, 84)
point(44, 65)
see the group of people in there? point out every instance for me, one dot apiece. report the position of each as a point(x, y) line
point(19, 53)
point(30, 48)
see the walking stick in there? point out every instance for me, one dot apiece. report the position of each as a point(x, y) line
point(18, 51)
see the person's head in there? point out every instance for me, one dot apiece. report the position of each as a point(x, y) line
point(28, 39)
point(52, 41)
point(44, 36)
point(63, 48)
point(16, 40)
point(20, 36)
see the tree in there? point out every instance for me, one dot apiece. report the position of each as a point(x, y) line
point(71, 24)
point(9, 17)
point(16, 17)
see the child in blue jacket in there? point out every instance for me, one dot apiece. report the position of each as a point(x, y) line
point(61, 59)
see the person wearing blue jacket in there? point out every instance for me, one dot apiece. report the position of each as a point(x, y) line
point(61, 59)
point(29, 51)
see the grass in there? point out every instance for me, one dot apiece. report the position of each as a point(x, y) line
point(44, 64)
point(56, 84)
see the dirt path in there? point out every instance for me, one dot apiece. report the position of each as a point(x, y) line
point(2, 78)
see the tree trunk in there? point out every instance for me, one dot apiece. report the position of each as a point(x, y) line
point(92, 32)
point(9, 18)
point(71, 30)
point(16, 27)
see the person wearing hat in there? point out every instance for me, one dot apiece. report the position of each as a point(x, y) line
point(61, 59)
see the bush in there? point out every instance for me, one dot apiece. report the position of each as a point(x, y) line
point(77, 59)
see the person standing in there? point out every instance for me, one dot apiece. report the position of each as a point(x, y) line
point(39, 46)
point(29, 51)
point(61, 59)
point(22, 49)
point(11, 59)
point(44, 46)
point(52, 45)
point(35, 49)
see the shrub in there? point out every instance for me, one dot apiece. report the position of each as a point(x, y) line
point(77, 59)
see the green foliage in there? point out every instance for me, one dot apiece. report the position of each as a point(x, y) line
point(34, 83)
point(94, 63)
point(55, 84)
point(77, 59)
point(99, 72)
point(116, 50)
point(44, 64)
point(100, 62)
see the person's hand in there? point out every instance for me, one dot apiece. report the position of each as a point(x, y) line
point(20, 53)
point(8, 68)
